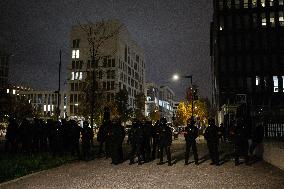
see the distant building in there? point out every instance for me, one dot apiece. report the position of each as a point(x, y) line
point(159, 98)
point(122, 65)
point(45, 103)
point(247, 50)
point(17, 89)
point(4, 69)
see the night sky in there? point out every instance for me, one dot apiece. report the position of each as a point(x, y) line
point(175, 35)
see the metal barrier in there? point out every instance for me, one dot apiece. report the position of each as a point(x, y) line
point(274, 131)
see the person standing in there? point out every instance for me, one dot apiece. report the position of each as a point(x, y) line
point(165, 141)
point(155, 138)
point(116, 137)
point(191, 133)
point(12, 136)
point(136, 138)
point(147, 140)
point(212, 137)
point(257, 139)
point(103, 132)
point(241, 136)
point(75, 137)
point(87, 136)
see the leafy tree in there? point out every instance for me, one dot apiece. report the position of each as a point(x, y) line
point(182, 114)
point(200, 111)
point(155, 114)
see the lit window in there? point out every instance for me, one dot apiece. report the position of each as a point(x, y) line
point(275, 84)
point(80, 75)
point(221, 23)
point(72, 75)
point(221, 4)
point(48, 108)
point(8, 90)
point(14, 91)
point(237, 4)
point(44, 108)
point(281, 2)
point(263, 20)
point(281, 18)
point(75, 53)
point(257, 80)
point(245, 3)
point(254, 3)
point(283, 83)
point(52, 107)
point(76, 75)
point(271, 3)
point(272, 21)
point(262, 3)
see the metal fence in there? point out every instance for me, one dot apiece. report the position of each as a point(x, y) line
point(274, 131)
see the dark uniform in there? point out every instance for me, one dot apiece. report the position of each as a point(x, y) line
point(257, 137)
point(165, 141)
point(116, 136)
point(11, 136)
point(241, 135)
point(147, 140)
point(103, 133)
point(191, 133)
point(212, 137)
point(87, 136)
point(155, 138)
point(75, 137)
point(136, 138)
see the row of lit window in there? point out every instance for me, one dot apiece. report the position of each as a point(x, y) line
point(75, 54)
point(264, 20)
point(76, 76)
point(48, 108)
point(276, 83)
point(246, 4)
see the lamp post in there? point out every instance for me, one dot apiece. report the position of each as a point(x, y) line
point(176, 77)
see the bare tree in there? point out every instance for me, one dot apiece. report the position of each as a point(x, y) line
point(100, 48)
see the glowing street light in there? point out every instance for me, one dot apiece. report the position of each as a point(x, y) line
point(175, 77)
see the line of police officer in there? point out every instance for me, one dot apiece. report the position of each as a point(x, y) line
point(146, 141)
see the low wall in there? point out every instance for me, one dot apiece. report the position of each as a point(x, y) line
point(273, 153)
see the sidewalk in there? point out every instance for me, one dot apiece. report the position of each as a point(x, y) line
point(101, 174)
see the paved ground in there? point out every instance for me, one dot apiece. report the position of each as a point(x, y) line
point(100, 174)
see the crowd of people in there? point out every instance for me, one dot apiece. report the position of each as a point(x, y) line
point(30, 136)
point(147, 142)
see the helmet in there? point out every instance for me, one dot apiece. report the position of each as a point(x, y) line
point(211, 121)
point(163, 120)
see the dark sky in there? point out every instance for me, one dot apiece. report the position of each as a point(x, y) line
point(173, 33)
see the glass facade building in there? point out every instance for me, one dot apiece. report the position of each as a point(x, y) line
point(247, 51)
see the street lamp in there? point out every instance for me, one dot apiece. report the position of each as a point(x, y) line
point(177, 77)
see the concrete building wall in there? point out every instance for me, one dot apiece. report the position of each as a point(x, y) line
point(121, 64)
point(159, 98)
point(45, 102)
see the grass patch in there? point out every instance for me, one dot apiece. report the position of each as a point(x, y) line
point(18, 165)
